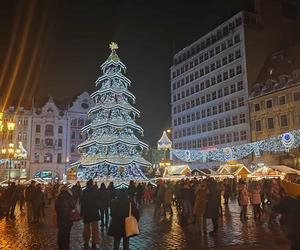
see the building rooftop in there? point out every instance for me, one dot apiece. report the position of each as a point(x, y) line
point(281, 70)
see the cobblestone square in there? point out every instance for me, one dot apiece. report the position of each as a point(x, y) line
point(156, 233)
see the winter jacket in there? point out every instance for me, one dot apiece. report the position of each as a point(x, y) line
point(119, 211)
point(90, 205)
point(244, 197)
point(213, 202)
point(200, 202)
point(255, 196)
point(64, 204)
point(168, 196)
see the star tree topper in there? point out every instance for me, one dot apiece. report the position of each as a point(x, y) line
point(113, 46)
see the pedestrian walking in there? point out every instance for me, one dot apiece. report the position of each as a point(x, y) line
point(168, 198)
point(77, 192)
point(104, 206)
point(89, 211)
point(256, 201)
point(199, 207)
point(119, 211)
point(12, 197)
point(243, 200)
point(29, 196)
point(213, 204)
point(64, 205)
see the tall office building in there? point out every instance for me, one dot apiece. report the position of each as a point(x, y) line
point(211, 78)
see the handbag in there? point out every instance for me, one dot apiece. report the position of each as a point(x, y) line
point(131, 224)
point(74, 215)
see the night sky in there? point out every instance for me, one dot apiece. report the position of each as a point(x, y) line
point(66, 42)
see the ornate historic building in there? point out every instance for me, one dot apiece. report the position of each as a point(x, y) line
point(50, 134)
point(275, 100)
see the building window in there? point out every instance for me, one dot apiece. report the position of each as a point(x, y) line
point(233, 104)
point(220, 93)
point(222, 139)
point(226, 91)
point(240, 86)
point(59, 142)
point(48, 158)
point(60, 129)
point(59, 158)
point(281, 100)
point(297, 96)
point(256, 107)
point(239, 69)
point(73, 135)
point(38, 128)
point(215, 125)
point(243, 135)
point(241, 102)
point(236, 136)
point(49, 142)
point(228, 122)
point(228, 138)
point(258, 125)
point(36, 157)
point(37, 141)
point(221, 123)
point(232, 88)
point(283, 121)
point(227, 106)
point(242, 118)
point(49, 130)
point(234, 120)
point(269, 103)
point(270, 122)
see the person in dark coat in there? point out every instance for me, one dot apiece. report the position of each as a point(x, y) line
point(64, 204)
point(77, 192)
point(112, 191)
point(21, 196)
point(105, 202)
point(290, 221)
point(119, 211)
point(89, 211)
point(29, 196)
point(213, 204)
point(132, 191)
point(139, 194)
point(37, 203)
point(12, 196)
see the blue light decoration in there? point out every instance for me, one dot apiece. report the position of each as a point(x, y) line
point(112, 151)
point(280, 143)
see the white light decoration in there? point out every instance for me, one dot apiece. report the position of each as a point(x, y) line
point(281, 143)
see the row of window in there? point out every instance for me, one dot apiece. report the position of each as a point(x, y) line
point(48, 158)
point(217, 109)
point(49, 142)
point(235, 87)
point(218, 35)
point(209, 82)
point(207, 69)
point(213, 140)
point(49, 129)
point(210, 126)
point(78, 122)
point(23, 122)
point(270, 102)
point(271, 124)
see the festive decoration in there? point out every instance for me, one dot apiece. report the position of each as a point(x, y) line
point(112, 150)
point(281, 143)
point(164, 142)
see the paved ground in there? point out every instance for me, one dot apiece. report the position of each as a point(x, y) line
point(156, 233)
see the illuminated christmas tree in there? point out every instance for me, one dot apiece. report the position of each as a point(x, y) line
point(112, 150)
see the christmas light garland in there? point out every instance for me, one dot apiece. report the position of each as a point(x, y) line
point(280, 143)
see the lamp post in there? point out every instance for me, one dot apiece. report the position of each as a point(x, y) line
point(10, 151)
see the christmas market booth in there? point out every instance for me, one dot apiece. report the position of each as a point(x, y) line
point(274, 171)
point(232, 169)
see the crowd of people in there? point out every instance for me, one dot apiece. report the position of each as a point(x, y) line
point(195, 201)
